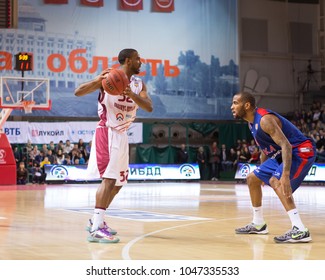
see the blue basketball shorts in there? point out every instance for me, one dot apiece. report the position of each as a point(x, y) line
point(303, 157)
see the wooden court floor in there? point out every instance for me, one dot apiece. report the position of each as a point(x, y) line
point(154, 220)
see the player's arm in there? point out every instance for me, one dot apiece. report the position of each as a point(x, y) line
point(142, 99)
point(272, 126)
point(92, 85)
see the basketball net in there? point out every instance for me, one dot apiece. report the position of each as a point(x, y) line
point(28, 106)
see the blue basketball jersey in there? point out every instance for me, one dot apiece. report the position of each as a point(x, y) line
point(265, 142)
point(303, 151)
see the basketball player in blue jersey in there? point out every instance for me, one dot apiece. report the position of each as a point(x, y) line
point(287, 155)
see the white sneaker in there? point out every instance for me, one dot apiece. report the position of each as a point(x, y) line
point(101, 235)
point(90, 225)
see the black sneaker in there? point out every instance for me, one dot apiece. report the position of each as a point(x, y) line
point(252, 229)
point(294, 236)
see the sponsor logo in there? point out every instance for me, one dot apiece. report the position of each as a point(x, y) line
point(59, 172)
point(298, 235)
point(244, 170)
point(187, 170)
point(119, 117)
point(2, 156)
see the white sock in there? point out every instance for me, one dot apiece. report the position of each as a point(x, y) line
point(295, 219)
point(258, 218)
point(98, 219)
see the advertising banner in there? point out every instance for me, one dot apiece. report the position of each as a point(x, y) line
point(315, 174)
point(45, 132)
point(188, 49)
point(139, 172)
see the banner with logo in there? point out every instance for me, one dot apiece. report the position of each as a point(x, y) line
point(17, 132)
point(315, 174)
point(163, 6)
point(131, 5)
point(190, 67)
point(140, 172)
point(45, 132)
point(92, 3)
point(81, 130)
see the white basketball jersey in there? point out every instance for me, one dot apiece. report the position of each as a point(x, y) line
point(117, 111)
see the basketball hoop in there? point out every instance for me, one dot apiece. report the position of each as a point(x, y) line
point(28, 106)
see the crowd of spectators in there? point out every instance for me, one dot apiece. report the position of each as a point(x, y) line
point(312, 124)
point(30, 159)
point(224, 158)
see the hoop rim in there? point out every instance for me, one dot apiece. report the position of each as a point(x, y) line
point(28, 105)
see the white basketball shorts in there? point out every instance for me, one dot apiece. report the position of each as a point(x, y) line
point(109, 155)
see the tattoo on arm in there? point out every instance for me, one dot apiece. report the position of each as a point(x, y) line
point(272, 126)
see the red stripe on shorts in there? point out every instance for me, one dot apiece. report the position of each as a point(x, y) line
point(102, 152)
point(301, 166)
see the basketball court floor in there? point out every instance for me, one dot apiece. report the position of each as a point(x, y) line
point(155, 221)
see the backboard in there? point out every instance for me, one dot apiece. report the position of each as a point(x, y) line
point(16, 91)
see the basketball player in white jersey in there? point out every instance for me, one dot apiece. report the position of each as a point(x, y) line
point(109, 156)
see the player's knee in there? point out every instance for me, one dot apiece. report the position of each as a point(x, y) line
point(251, 179)
point(117, 189)
point(274, 183)
point(109, 183)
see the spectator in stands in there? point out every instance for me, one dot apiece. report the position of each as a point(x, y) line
point(59, 157)
point(28, 147)
point(201, 159)
point(17, 155)
point(296, 116)
point(244, 154)
point(303, 127)
point(44, 161)
point(81, 158)
point(74, 154)
point(322, 136)
point(81, 145)
point(39, 158)
point(252, 146)
point(67, 160)
point(44, 149)
point(38, 174)
point(304, 115)
point(67, 147)
point(50, 156)
point(214, 160)
point(234, 158)
point(52, 147)
point(88, 148)
point(255, 156)
point(59, 146)
point(33, 153)
point(238, 145)
point(83, 151)
point(182, 155)
point(226, 163)
point(22, 174)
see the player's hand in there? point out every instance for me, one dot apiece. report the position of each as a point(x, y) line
point(286, 187)
point(103, 74)
point(127, 91)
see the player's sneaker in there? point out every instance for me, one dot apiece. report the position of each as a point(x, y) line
point(101, 235)
point(252, 229)
point(294, 236)
point(90, 225)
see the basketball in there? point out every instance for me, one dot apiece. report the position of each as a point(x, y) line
point(115, 82)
